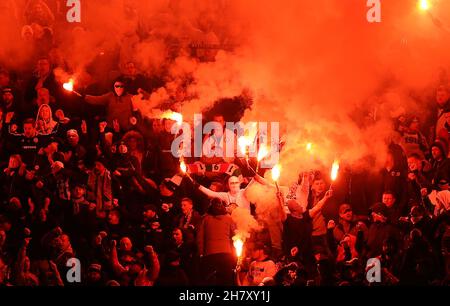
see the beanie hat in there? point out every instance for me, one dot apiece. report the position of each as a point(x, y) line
point(442, 146)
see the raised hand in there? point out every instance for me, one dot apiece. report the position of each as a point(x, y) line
point(84, 127)
point(59, 114)
point(331, 224)
point(116, 126)
point(102, 126)
point(328, 194)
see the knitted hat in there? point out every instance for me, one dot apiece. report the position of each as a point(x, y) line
point(442, 146)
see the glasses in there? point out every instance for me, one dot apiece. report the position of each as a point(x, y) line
point(119, 86)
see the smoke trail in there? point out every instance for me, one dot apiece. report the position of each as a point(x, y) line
point(318, 67)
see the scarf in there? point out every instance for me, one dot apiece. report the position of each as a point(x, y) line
point(99, 189)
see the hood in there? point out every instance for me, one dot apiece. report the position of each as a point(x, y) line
point(48, 124)
point(122, 80)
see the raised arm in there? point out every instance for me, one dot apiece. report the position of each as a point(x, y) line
point(302, 191)
point(152, 257)
point(212, 194)
point(97, 100)
point(318, 207)
point(114, 260)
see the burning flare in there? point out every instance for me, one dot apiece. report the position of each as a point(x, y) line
point(262, 152)
point(183, 166)
point(69, 85)
point(276, 171)
point(173, 116)
point(334, 170)
point(424, 5)
point(238, 244)
point(243, 143)
point(309, 147)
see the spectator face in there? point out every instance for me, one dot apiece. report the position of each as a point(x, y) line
point(119, 88)
point(442, 96)
point(347, 215)
point(177, 236)
point(113, 217)
point(43, 67)
point(149, 214)
point(72, 138)
point(186, 207)
point(38, 10)
point(388, 199)
point(436, 153)
point(29, 130)
point(78, 192)
point(155, 225)
point(414, 164)
point(156, 126)
point(233, 184)
point(130, 70)
point(125, 244)
point(318, 186)
point(62, 242)
point(8, 98)
point(45, 113)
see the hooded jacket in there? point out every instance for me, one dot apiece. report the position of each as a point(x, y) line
point(117, 107)
point(440, 169)
point(48, 126)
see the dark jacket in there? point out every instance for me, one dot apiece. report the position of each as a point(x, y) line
point(215, 235)
point(378, 233)
point(120, 108)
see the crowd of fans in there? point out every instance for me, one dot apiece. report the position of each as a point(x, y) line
point(93, 178)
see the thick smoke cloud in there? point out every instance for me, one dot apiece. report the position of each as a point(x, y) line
point(318, 67)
